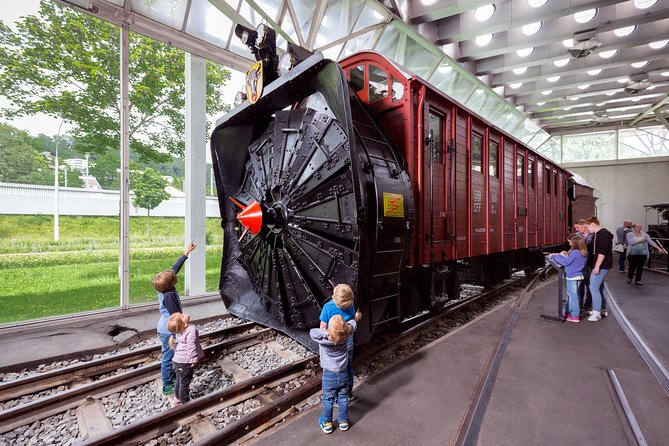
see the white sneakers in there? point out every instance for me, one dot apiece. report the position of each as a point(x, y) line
point(595, 316)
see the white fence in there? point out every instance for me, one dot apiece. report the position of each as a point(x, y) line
point(38, 200)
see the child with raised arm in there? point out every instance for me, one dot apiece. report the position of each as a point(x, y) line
point(342, 304)
point(169, 303)
point(187, 353)
point(333, 349)
point(574, 262)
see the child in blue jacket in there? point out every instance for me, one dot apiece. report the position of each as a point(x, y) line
point(574, 262)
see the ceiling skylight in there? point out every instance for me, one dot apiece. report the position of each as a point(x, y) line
point(585, 16)
point(531, 28)
point(483, 13)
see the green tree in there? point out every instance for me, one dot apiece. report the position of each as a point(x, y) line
point(105, 169)
point(149, 188)
point(66, 64)
point(19, 161)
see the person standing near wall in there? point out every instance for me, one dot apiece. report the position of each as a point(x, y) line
point(637, 252)
point(621, 236)
point(603, 262)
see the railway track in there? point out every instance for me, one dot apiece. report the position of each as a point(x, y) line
point(247, 406)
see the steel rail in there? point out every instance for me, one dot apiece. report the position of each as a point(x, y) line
point(86, 370)
point(28, 413)
point(170, 420)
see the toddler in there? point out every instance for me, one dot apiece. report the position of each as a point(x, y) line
point(342, 304)
point(333, 348)
point(168, 298)
point(187, 353)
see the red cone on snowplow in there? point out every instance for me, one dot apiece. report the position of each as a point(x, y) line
point(251, 217)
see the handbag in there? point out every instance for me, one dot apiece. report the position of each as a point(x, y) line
point(619, 247)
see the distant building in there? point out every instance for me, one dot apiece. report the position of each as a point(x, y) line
point(90, 182)
point(77, 164)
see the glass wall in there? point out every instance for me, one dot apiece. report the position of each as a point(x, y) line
point(608, 145)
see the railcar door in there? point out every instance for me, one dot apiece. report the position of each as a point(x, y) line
point(461, 182)
point(521, 199)
point(436, 190)
point(509, 181)
point(494, 200)
point(531, 191)
point(541, 200)
point(477, 151)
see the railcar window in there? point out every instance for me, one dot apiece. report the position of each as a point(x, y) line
point(520, 169)
point(477, 147)
point(530, 173)
point(398, 89)
point(493, 151)
point(547, 177)
point(436, 125)
point(358, 78)
point(378, 84)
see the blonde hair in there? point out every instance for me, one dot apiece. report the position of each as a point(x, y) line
point(591, 220)
point(176, 325)
point(577, 242)
point(164, 280)
point(343, 296)
point(338, 330)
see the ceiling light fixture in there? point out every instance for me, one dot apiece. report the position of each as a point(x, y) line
point(585, 16)
point(584, 43)
point(637, 84)
point(525, 52)
point(520, 70)
point(561, 62)
point(484, 39)
point(483, 13)
point(594, 72)
point(583, 87)
point(644, 4)
point(546, 92)
point(541, 103)
point(536, 3)
point(611, 93)
point(553, 78)
point(639, 64)
point(623, 80)
point(574, 98)
point(658, 44)
point(624, 31)
point(608, 54)
point(531, 28)
point(517, 85)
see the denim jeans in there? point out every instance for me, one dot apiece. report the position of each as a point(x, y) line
point(621, 261)
point(166, 370)
point(184, 374)
point(335, 388)
point(572, 297)
point(584, 289)
point(350, 366)
point(597, 289)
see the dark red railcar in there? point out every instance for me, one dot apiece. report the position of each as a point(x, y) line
point(362, 173)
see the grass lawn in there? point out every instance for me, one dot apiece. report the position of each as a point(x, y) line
point(57, 289)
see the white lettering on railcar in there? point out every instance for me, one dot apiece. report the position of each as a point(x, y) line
point(477, 201)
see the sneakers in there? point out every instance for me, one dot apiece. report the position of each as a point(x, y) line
point(168, 389)
point(573, 319)
point(638, 283)
point(605, 312)
point(326, 426)
point(595, 316)
point(343, 425)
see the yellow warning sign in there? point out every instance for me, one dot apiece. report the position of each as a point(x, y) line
point(393, 205)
